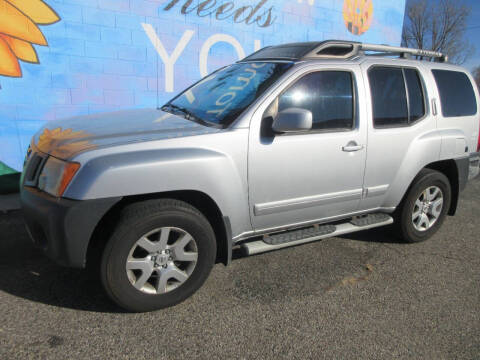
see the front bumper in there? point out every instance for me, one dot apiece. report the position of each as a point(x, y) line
point(62, 227)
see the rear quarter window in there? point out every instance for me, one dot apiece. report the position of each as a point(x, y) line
point(456, 93)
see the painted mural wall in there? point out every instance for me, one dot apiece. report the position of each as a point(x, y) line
point(64, 58)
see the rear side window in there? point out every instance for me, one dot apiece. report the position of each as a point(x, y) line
point(398, 98)
point(329, 95)
point(456, 93)
point(389, 97)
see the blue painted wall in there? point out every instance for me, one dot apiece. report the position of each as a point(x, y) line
point(105, 55)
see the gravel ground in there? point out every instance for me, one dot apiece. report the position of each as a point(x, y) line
point(358, 296)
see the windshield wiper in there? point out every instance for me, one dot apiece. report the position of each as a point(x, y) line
point(187, 114)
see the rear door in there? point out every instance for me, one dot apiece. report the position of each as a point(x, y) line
point(399, 116)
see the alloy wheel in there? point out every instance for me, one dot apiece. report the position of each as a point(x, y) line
point(427, 208)
point(161, 260)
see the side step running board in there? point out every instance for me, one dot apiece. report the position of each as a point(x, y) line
point(313, 233)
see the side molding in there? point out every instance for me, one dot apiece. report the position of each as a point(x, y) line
point(305, 202)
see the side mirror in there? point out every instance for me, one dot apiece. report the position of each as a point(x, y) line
point(293, 120)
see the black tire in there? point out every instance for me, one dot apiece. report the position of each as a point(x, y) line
point(403, 216)
point(135, 221)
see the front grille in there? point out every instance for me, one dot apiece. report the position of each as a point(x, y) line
point(33, 168)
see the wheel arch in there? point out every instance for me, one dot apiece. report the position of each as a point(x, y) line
point(449, 168)
point(204, 203)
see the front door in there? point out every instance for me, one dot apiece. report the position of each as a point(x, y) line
point(297, 178)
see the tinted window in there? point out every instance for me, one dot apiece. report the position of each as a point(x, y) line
point(416, 100)
point(456, 93)
point(389, 98)
point(327, 94)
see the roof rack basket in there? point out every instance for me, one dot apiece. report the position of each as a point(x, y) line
point(347, 49)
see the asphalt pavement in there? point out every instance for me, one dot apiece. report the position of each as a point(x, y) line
point(361, 296)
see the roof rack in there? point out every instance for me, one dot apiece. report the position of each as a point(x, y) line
point(338, 49)
point(405, 52)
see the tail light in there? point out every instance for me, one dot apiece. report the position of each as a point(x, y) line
point(478, 146)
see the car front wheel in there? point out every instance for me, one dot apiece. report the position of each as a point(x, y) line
point(160, 253)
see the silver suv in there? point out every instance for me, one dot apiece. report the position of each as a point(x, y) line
point(292, 144)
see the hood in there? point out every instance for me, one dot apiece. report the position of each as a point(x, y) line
point(65, 138)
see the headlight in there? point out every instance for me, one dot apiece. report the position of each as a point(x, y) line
point(56, 175)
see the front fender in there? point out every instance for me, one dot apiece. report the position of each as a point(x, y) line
point(162, 170)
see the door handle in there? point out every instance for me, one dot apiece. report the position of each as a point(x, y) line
point(352, 146)
point(434, 107)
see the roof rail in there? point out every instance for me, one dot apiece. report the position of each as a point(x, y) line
point(405, 52)
point(338, 49)
point(347, 49)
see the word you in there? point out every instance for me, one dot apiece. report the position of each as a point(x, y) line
point(169, 60)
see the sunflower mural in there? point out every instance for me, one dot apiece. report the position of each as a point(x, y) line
point(19, 20)
point(358, 15)
point(64, 143)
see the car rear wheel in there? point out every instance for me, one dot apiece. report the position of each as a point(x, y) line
point(425, 206)
point(160, 253)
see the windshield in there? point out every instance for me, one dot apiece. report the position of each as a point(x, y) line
point(222, 96)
